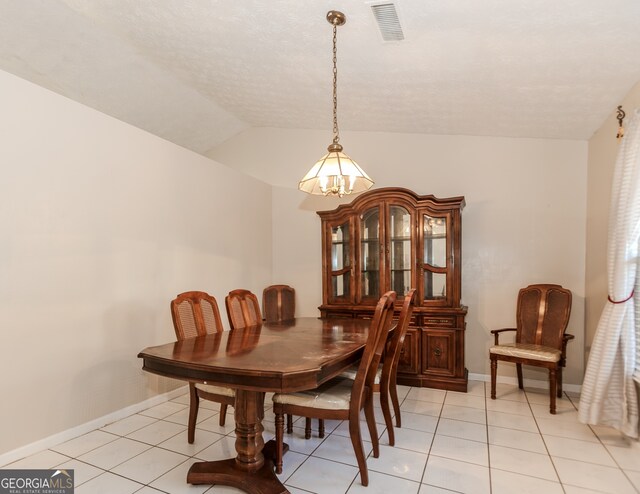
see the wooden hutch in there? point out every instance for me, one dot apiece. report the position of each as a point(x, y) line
point(394, 239)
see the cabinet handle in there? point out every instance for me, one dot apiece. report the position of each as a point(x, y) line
point(437, 352)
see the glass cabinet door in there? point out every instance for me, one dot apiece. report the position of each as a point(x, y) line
point(370, 254)
point(400, 251)
point(340, 261)
point(434, 260)
point(392, 239)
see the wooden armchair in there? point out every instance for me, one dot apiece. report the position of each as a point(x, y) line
point(343, 398)
point(196, 314)
point(242, 309)
point(278, 303)
point(542, 316)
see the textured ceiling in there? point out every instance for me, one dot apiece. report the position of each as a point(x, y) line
point(197, 72)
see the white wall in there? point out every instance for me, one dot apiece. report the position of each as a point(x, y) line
point(524, 221)
point(103, 224)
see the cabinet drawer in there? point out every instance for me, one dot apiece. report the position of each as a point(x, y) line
point(438, 351)
point(413, 322)
point(408, 363)
point(331, 314)
point(364, 315)
point(439, 322)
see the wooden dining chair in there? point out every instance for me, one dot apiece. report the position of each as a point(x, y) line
point(541, 320)
point(196, 314)
point(342, 398)
point(243, 309)
point(278, 303)
point(386, 375)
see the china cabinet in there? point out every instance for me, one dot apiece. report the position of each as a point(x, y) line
point(394, 239)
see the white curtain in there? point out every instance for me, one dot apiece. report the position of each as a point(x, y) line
point(609, 395)
point(636, 297)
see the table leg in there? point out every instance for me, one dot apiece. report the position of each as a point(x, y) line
point(252, 469)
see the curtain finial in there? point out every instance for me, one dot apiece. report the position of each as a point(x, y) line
point(620, 117)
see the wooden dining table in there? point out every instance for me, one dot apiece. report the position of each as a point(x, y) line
point(272, 357)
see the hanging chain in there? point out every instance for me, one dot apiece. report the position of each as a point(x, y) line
point(336, 134)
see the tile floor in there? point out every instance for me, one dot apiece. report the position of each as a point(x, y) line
point(449, 442)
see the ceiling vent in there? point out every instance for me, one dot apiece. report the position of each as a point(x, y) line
point(387, 17)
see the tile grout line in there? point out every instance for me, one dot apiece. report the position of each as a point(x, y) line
point(612, 457)
point(486, 419)
point(284, 481)
point(553, 463)
point(435, 431)
point(433, 436)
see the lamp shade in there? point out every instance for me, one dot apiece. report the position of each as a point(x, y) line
point(336, 174)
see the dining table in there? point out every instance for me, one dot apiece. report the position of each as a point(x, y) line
point(280, 357)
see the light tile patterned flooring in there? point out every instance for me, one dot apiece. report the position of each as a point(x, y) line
point(449, 442)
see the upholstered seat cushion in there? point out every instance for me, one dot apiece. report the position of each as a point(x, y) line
point(527, 350)
point(218, 390)
point(351, 372)
point(332, 395)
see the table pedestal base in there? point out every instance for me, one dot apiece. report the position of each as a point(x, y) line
point(226, 472)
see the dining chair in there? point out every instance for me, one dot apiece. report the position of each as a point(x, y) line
point(542, 317)
point(194, 314)
point(342, 398)
point(278, 303)
point(386, 375)
point(243, 309)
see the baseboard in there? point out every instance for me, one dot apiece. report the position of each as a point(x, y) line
point(531, 383)
point(79, 430)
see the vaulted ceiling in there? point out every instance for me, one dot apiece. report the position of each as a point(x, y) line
point(197, 72)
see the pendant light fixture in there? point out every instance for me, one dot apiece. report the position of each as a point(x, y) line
point(335, 173)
